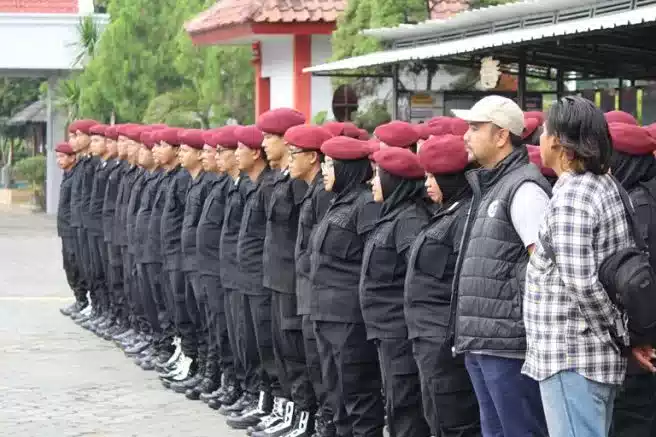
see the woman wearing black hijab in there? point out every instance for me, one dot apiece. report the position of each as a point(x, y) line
point(634, 166)
point(397, 186)
point(349, 360)
point(450, 404)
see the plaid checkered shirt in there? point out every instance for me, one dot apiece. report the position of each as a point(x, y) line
point(570, 322)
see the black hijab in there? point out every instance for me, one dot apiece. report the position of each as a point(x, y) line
point(630, 170)
point(350, 175)
point(398, 190)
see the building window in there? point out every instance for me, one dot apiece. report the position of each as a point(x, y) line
point(345, 103)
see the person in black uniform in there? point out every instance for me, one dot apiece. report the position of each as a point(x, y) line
point(82, 182)
point(257, 299)
point(130, 172)
point(349, 361)
point(398, 186)
point(449, 401)
point(279, 278)
point(144, 337)
point(118, 151)
point(238, 392)
point(149, 268)
point(97, 250)
point(194, 336)
point(208, 237)
point(634, 166)
point(66, 161)
point(165, 150)
point(305, 164)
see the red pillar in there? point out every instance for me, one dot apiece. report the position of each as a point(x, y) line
point(303, 81)
point(262, 84)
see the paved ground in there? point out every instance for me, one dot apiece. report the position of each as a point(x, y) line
point(58, 380)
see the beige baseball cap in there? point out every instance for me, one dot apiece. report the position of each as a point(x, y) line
point(498, 110)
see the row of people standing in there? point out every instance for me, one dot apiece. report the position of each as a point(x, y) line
point(301, 281)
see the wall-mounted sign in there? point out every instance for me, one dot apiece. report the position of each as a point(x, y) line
point(490, 72)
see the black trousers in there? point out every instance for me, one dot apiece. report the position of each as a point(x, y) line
point(313, 363)
point(83, 257)
point(128, 286)
point(450, 404)
point(259, 312)
point(137, 309)
point(634, 414)
point(289, 352)
point(403, 402)
point(183, 321)
point(219, 347)
point(233, 304)
point(115, 283)
point(150, 280)
point(249, 352)
point(350, 370)
point(193, 334)
point(98, 270)
point(72, 269)
point(165, 306)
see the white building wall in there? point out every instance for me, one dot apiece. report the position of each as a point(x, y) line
point(278, 65)
point(322, 89)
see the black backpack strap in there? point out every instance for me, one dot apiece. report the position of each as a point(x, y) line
point(628, 208)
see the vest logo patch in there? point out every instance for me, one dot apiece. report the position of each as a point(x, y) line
point(493, 208)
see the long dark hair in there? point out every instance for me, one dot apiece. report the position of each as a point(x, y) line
point(582, 131)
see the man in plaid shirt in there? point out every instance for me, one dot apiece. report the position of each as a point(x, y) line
point(574, 332)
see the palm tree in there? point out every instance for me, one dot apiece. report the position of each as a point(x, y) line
point(88, 34)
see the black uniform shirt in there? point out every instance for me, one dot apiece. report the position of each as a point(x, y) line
point(89, 168)
point(76, 194)
point(196, 195)
point(431, 265)
point(97, 197)
point(64, 229)
point(133, 208)
point(208, 234)
point(383, 271)
point(314, 205)
point(230, 231)
point(111, 194)
point(174, 208)
point(336, 248)
point(252, 230)
point(153, 248)
point(120, 220)
point(279, 271)
point(148, 193)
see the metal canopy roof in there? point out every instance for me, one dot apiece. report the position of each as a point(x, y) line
point(603, 39)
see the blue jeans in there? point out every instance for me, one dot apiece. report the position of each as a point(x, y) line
point(576, 406)
point(509, 401)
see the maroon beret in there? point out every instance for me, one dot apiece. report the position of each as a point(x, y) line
point(64, 148)
point(444, 154)
point(399, 162)
point(192, 138)
point(423, 130)
point(98, 129)
point(226, 137)
point(530, 126)
point(149, 138)
point(250, 136)
point(82, 126)
point(112, 132)
point(535, 158)
point(346, 129)
point(440, 125)
point(134, 132)
point(374, 144)
point(620, 117)
point(397, 134)
point(631, 139)
point(209, 136)
point(538, 115)
point(157, 126)
point(346, 148)
point(168, 136)
point(307, 137)
point(363, 135)
point(277, 121)
point(124, 128)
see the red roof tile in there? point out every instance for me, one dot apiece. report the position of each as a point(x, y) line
point(39, 6)
point(234, 12)
point(447, 8)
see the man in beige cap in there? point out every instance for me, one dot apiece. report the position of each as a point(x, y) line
point(510, 196)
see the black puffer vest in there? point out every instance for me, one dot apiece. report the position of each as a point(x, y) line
point(491, 269)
